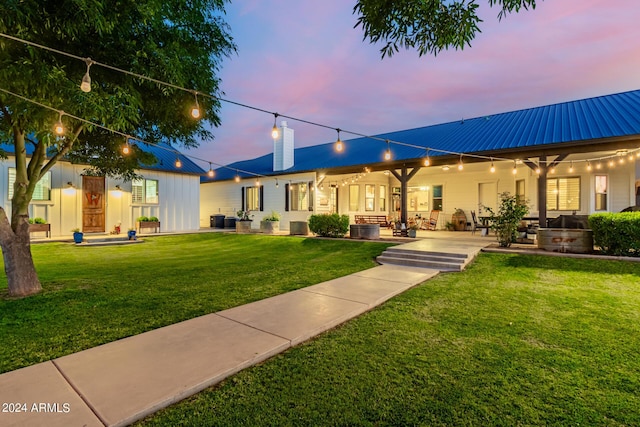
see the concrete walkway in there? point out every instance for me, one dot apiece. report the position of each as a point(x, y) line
point(118, 383)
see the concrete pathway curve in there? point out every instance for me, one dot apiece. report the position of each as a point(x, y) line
point(120, 382)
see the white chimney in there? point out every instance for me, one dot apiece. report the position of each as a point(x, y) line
point(283, 148)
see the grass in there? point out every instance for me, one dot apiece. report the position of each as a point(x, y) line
point(94, 295)
point(513, 340)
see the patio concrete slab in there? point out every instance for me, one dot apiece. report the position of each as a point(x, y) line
point(40, 396)
point(128, 379)
point(296, 316)
point(466, 247)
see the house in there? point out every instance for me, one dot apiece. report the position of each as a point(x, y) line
point(573, 157)
point(67, 198)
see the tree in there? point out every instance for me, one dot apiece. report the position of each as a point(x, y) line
point(430, 26)
point(169, 40)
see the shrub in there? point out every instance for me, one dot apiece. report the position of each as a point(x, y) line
point(616, 233)
point(142, 219)
point(37, 220)
point(329, 225)
point(505, 222)
point(274, 216)
point(153, 219)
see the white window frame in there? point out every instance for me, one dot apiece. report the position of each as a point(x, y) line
point(42, 187)
point(299, 195)
point(146, 192)
point(252, 198)
point(558, 195)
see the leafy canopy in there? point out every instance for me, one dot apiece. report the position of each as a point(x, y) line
point(429, 26)
point(169, 40)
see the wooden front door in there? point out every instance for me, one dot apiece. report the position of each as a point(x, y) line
point(93, 204)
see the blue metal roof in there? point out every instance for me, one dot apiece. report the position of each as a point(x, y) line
point(608, 116)
point(165, 155)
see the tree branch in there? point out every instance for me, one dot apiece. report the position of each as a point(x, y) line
point(63, 151)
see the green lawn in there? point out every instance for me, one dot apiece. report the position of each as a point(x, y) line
point(94, 295)
point(513, 340)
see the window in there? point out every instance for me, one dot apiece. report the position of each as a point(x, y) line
point(382, 201)
point(520, 194)
point(42, 190)
point(437, 197)
point(144, 191)
point(369, 197)
point(299, 196)
point(354, 197)
point(601, 192)
point(252, 199)
point(563, 194)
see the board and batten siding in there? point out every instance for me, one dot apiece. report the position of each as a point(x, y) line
point(177, 207)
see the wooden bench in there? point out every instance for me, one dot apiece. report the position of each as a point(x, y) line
point(381, 220)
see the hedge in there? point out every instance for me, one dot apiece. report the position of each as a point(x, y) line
point(616, 233)
point(329, 225)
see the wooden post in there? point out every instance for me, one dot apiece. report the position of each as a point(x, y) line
point(404, 177)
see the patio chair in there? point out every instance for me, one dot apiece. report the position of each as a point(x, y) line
point(475, 225)
point(433, 220)
point(400, 230)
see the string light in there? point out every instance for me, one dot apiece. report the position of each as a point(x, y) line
point(598, 165)
point(195, 111)
point(492, 169)
point(387, 154)
point(211, 173)
point(178, 162)
point(277, 184)
point(59, 128)
point(257, 183)
point(515, 168)
point(339, 145)
point(538, 170)
point(571, 168)
point(237, 177)
point(460, 165)
point(589, 166)
point(274, 131)
point(85, 85)
point(90, 62)
point(552, 170)
point(125, 148)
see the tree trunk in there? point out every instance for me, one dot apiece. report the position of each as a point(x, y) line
point(18, 262)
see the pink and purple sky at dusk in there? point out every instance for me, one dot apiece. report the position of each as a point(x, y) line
point(304, 59)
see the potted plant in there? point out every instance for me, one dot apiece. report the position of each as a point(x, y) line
point(132, 234)
point(270, 223)
point(413, 229)
point(243, 224)
point(38, 224)
point(77, 235)
point(449, 226)
point(505, 222)
point(147, 222)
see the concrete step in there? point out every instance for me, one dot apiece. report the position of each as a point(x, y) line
point(436, 265)
point(443, 261)
point(426, 256)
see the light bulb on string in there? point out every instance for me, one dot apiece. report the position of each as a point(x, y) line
point(427, 161)
point(125, 148)
point(85, 85)
point(211, 173)
point(339, 145)
point(274, 131)
point(552, 170)
point(589, 166)
point(538, 170)
point(598, 165)
point(178, 162)
point(59, 127)
point(237, 177)
point(195, 111)
point(277, 184)
point(387, 154)
point(515, 168)
point(571, 167)
point(460, 165)
point(257, 182)
point(492, 169)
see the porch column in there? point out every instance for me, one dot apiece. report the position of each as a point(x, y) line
point(542, 192)
point(404, 177)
